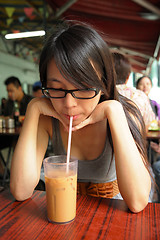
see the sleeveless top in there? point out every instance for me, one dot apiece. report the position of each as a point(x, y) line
point(99, 170)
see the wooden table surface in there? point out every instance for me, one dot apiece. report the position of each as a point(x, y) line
point(153, 135)
point(96, 218)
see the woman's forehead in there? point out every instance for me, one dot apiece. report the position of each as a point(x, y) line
point(145, 80)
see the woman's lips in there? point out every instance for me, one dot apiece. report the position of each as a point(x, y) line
point(74, 116)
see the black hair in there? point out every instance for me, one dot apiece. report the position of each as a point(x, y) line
point(122, 67)
point(36, 88)
point(79, 53)
point(14, 80)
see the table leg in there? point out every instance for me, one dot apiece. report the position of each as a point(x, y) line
point(3, 160)
point(6, 166)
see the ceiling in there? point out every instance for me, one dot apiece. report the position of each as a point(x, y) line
point(130, 26)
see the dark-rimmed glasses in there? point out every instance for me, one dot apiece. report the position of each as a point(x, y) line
point(86, 93)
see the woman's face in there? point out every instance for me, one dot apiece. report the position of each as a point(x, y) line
point(145, 85)
point(68, 106)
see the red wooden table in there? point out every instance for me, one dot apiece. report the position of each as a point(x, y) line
point(96, 218)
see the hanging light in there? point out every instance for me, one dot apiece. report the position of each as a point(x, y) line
point(25, 34)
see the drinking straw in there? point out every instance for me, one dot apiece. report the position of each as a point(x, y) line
point(69, 141)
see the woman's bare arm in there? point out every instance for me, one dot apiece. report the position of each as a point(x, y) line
point(133, 177)
point(30, 149)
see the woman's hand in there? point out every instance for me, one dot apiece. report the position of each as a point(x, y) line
point(99, 113)
point(43, 105)
point(46, 108)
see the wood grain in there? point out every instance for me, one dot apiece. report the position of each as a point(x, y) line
point(96, 218)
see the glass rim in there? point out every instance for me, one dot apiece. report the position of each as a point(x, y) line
point(62, 160)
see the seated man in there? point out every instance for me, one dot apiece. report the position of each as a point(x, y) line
point(123, 70)
point(15, 94)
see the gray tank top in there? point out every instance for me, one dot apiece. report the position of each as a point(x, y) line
point(99, 170)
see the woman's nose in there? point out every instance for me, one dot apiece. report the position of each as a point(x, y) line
point(70, 101)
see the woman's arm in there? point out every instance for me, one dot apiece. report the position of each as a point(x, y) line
point(31, 148)
point(133, 178)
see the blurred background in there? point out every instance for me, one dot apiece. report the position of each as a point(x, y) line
point(130, 26)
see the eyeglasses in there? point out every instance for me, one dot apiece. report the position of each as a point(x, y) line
point(86, 93)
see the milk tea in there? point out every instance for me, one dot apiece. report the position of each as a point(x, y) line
point(61, 192)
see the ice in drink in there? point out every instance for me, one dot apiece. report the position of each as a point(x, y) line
point(61, 198)
point(61, 189)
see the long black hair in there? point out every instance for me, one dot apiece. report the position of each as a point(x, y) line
point(84, 59)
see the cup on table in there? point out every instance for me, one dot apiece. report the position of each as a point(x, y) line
point(61, 188)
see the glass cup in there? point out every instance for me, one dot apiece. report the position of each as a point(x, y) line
point(61, 188)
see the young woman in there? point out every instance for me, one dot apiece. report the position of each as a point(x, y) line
point(78, 80)
point(144, 83)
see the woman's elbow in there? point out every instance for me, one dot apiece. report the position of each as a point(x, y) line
point(137, 205)
point(21, 193)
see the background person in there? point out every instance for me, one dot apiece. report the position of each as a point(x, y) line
point(144, 83)
point(37, 89)
point(123, 71)
point(15, 94)
point(3, 104)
